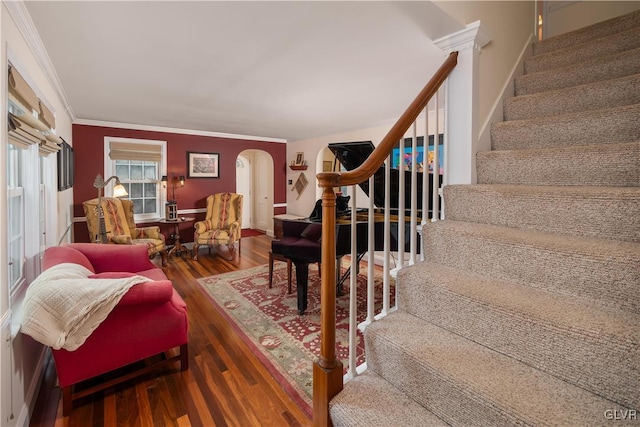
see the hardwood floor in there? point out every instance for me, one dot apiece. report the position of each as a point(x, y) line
point(226, 385)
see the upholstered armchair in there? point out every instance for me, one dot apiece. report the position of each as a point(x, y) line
point(120, 226)
point(222, 225)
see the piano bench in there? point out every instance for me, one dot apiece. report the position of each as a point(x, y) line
point(278, 257)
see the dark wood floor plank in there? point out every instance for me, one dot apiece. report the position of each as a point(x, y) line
point(216, 401)
point(226, 385)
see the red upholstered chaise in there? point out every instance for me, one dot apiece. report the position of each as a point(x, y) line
point(151, 318)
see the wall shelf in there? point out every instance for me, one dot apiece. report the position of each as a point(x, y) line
point(298, 167)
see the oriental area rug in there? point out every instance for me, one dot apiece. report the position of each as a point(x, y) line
point(268, 322)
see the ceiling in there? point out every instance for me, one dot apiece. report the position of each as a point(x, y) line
point(288, 70)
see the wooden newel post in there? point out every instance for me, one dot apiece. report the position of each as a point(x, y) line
point(327, 370)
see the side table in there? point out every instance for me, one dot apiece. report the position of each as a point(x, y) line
point(178, 247)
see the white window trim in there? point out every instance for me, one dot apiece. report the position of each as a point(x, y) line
point(109, 166)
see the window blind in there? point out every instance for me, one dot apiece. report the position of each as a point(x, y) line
point(48, 147)
point(21, 134)
point(30, 121)
point(19, 87)
point(133, 151)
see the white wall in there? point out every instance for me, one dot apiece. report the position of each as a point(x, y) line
point(21, 358)
point(509, 24)
point(315, 153)
point(312, 149)
point(565, 16)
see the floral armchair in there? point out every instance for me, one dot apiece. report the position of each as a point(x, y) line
point(120, 226)
point(222, 225)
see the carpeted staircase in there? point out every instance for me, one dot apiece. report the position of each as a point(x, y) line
point(527, 311)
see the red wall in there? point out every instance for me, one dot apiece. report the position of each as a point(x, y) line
point(88, 148)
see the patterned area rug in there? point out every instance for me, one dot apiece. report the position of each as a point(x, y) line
point(268, 321)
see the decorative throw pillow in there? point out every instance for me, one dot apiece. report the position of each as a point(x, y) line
point(121, 239)
point(313, 232)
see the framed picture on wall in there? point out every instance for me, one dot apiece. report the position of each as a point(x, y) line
point(203, 165)
point(65, 167)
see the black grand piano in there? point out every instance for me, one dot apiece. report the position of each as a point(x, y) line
point(351, 155)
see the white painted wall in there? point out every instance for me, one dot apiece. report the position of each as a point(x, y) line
point(565, 16)
point(312, 149)
point(509, 24)
point(315, 153)
point(21, 358)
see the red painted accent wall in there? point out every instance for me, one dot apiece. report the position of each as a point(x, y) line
point(88, 147)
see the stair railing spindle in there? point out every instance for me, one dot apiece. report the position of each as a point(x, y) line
point(328, 370)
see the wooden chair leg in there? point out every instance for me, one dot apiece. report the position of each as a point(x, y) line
point(184, 357)
point(289, 273)
point(271, 271)
point(67, 400)
point(195, 251)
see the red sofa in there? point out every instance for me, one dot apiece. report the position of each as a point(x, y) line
point(151, 318)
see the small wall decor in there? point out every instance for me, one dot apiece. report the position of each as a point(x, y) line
point(327, 166)
point(203, 165)
point(65, 167)
point(299, 159)
point(300, 185)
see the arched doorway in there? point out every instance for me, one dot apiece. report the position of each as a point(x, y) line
point(254, 180)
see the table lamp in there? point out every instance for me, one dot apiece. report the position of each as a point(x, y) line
point(171, 207)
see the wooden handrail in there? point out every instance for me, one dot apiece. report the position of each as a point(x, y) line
point(380, 153)
point(327, 370)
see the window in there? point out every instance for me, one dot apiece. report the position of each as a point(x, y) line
point(42, 205)
point(141, 181)
point(15, 224)
point(138, 164)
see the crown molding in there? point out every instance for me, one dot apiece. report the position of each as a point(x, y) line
point(21, 17)
point(149, 128)
point(473, 35)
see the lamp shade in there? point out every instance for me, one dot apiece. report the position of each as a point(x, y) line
point(119, 190)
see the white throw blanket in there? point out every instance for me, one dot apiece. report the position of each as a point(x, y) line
point(63, 306)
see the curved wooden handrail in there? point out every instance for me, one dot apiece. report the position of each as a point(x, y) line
point(380, 153)
point(327, 370)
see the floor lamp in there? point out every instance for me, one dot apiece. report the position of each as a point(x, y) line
point(118, 191)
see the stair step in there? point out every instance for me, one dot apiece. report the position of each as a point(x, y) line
point(603, 271)
point(467, 384)
point(615, 165)
point(586, 34)
point(601, 212)
point(614, 43)
point(585, 344)
point(360, 404)
point(620, 124)
point(587, 97)
point(593, 70)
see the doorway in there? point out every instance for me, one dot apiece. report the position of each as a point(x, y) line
point(254, 180)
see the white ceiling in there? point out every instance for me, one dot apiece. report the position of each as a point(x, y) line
point(290, 70)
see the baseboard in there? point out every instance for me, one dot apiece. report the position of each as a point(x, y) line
point(24, 417)
point(497, 113)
